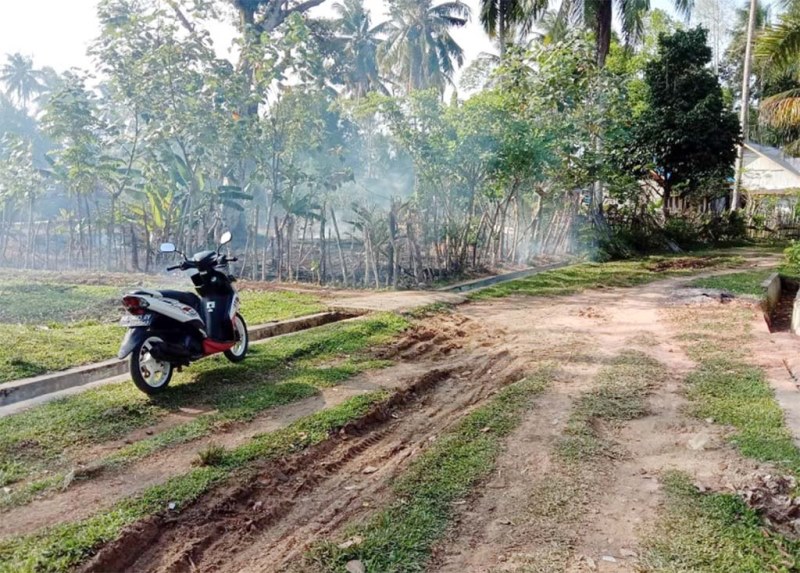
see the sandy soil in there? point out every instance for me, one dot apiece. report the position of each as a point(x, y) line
point(535, 513)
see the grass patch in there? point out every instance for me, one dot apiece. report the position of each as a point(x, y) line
point(730, 391)
point(746, 283)
point(400, 537)
point(738, 395)
point(621, 395)
point(49, 340)
point(428, 310)
point(279, 371)
point(575, 278)
point(717, 532)
point(64, 546)
point(714, 533)
point(47, 303)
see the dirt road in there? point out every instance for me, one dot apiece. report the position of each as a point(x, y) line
point(536, 512)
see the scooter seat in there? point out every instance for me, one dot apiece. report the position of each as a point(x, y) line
point(187, 298)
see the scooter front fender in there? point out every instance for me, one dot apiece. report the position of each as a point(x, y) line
point(133, 337)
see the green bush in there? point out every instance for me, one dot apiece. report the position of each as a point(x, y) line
point(723, 229)
point(684, 231)
point(791, 259)
point(645, 235)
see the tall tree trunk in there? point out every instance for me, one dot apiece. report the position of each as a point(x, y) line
point(270, 205)
point(278, 250)
point(603, 30)
point(323, 267)
point(339, 246)
point(254, 268)
point(29, 250)
point(502, 26)
point(47, 245)
point(366, 256)
point(394, 255)
point(300, 257)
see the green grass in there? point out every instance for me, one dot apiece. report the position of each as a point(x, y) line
point(62, 547)
point(278, 371)
point(620, 396)
point(55, 343)
point(575, 278)
point(738, 395)
point(730, 391)
point(746, 283)
point(714, 533)
point(399, 538)
point(46, 303)
point(717, 532)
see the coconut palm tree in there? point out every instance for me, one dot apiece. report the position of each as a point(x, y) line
point(419, 49)
point(598, 15)
point(500, 18)
point(778, 52)
point(20, 78)
point(358, 42)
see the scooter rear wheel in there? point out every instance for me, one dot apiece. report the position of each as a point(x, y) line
point(151, 376)
point(239, 350)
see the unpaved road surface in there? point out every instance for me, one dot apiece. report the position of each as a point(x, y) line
point(533, 514)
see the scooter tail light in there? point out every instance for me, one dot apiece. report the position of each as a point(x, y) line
point(135, 305)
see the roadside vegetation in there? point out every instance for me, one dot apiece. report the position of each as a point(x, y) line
point(38, 446)
point(400, 537)
point(716, 532)
point(49, 327)
point(578, 277)
point(64, 546)
point(745, 283)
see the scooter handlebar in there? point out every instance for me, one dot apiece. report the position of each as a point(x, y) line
point(175, 268)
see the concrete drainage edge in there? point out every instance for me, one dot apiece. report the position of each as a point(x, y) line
point(28, 388)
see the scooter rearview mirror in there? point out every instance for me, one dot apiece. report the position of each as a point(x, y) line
point(225, 238)
point(168, 248)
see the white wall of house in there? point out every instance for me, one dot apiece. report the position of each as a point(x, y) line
point(761, 173)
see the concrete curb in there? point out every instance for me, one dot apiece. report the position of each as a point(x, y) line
point(489, 281)
point(28, 388)
point(772, 286)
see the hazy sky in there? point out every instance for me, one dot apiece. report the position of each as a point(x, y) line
point(57, 32)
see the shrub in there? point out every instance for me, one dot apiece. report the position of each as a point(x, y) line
point(791, 259)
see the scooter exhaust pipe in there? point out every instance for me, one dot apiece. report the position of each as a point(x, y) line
point(173, 353)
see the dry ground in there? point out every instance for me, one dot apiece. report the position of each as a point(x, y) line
point(537, 511)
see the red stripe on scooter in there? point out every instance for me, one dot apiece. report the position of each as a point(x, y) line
point(212, 347)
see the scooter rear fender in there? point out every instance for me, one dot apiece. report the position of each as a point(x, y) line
point(133, 337)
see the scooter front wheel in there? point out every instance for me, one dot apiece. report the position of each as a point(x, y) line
point(150, 375)
point(242, 338)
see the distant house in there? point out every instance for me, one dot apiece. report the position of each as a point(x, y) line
point(769, 171)
point(771, 184)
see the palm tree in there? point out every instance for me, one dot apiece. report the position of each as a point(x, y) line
point(419, 48)
point(500, 17)
point(20, 79)
point(778, 51)
point(358, 46)
point(598, 15)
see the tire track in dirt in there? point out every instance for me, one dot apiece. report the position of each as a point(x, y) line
point(608, 504)
point(414, 352)
point(267, 522)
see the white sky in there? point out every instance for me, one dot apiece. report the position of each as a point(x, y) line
point(57, 33)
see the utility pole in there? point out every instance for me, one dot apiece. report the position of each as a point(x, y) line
point(745, 111)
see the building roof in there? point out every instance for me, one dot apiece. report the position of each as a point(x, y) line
point(777, 155)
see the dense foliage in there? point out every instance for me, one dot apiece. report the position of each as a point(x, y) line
point(339, 149)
